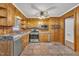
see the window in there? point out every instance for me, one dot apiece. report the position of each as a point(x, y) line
point(16, 27)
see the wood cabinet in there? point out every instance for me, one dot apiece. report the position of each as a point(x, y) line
point(33, 22)
point(24, 41)
point(52, 36)
point(7, 12)
point(3, 13)
point(55, 32)
point(3, 51)
point(3, 5)
point(23, 20)
point(7, 16)
point(43, 37)
point(62, 24)
point(5, 48)
point(56, 35)
point(3, 10)
point(1, 32)
point(3, 21)
point(24, 23)
point(11, 15)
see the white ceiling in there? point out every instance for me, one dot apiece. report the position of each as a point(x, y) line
point(60, 8)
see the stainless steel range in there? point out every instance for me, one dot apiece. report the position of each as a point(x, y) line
point(34, 36)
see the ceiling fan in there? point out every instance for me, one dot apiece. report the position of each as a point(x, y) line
point(42, 13)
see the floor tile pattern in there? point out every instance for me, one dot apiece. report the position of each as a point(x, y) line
point(47, 49)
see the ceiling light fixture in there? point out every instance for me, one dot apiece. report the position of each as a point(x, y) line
point(43, 15)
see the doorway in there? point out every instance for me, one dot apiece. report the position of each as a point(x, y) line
point(69, 32)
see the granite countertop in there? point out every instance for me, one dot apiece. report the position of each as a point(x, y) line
point(13, 36)
point(16, 36)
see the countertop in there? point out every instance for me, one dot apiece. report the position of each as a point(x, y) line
point(13, 36)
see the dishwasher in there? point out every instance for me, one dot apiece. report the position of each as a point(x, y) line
point(17, 46)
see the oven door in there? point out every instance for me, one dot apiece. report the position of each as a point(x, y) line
point(33, 37)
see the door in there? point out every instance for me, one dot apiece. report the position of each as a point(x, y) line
point(69, 32)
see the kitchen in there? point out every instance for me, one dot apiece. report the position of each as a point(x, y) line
point(18, 30)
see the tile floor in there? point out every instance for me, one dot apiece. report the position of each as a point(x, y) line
point(47, 49)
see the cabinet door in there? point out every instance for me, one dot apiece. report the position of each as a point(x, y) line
point(4, 48)
point(24, 40)
point(3, 5)
point(23, 23)
point(27, 39)
point(11, 15)
point(3, 13)
point(43, 37)
point(3, 21)
point(1, 32)
point(55, 32)
point(52, 36)
point(56, 35)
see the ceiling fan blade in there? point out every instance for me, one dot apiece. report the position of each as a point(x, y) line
point(34, 7)
point(36, 14)
point(50, 8)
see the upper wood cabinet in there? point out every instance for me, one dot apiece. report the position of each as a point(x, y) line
point(24, 24)
point(11, 15)
point(3, 13)
point(3, 21)
point(17, 13)
point(3, 10)
point(7, 12)
point(33, 22)
point(3, 5)
point(23, 20)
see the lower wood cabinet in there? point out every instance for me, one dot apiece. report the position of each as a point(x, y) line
point(43, 37)
point(24, 41)
point(12, 46)
point(52, 37)
point(5, 48)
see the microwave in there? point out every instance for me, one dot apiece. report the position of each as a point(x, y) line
point(45, 27)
